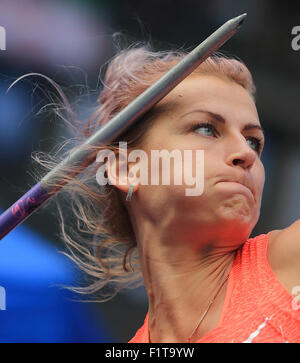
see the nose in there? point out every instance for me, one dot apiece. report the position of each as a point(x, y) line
point(240, 154)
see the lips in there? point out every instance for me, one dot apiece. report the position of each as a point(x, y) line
point(242, 180)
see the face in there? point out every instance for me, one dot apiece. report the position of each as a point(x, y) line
point(220, 118)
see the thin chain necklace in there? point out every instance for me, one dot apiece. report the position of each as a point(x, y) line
point(206, 311)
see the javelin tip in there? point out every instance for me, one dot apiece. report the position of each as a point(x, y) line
point(240, 19)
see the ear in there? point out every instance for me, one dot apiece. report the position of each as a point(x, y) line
point(119, 174)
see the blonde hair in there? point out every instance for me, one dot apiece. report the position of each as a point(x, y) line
point(103, 243)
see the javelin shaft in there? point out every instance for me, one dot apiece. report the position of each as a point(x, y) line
point(81, 157)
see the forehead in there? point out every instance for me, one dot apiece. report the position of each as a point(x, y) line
point(224, 96)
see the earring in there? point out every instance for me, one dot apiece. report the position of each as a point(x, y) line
point(129, 194)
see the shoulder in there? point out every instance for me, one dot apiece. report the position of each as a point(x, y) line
point(284, 245)
point(284, 252)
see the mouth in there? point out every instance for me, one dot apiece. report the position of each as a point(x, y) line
point(244, 183)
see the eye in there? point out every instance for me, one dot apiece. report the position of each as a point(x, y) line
point(255, 143)
point(204, 128)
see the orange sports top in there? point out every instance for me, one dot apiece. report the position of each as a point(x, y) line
point(257, 307)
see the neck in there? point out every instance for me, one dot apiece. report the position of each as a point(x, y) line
point(180, 281)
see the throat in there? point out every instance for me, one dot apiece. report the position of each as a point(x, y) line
point(193, 325)
point(189, 305)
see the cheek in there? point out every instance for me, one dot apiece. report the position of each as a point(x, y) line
point(212, 163)
point(261, 178)
point(259, 181)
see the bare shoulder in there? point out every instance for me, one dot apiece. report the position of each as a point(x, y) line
point(284, 253)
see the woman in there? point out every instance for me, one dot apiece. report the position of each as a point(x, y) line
point(206, 280)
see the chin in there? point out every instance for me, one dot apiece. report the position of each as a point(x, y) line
point(237, 207)
point(240, 216)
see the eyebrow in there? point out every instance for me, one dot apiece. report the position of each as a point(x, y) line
point(221, 119)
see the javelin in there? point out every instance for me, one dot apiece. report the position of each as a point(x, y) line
point(40, 193)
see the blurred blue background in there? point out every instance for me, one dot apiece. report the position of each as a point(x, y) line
point(37, 308)
point(69, 40)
